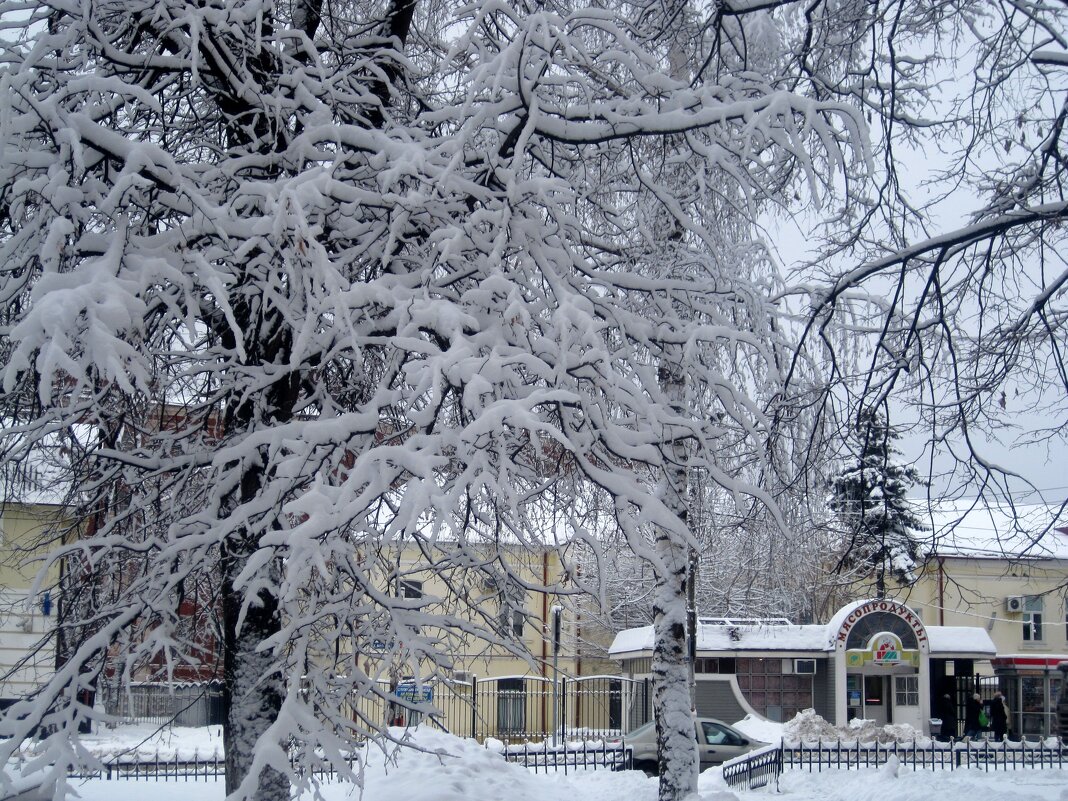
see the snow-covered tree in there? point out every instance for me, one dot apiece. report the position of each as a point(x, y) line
point(298, 282)
point(879, 524)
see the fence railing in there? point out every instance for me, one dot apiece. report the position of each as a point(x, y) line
point(934, 755)
point(758, 769)
point(513, 709)
point(761, 767)
point(599, 755)
point(134, 767)
point(586, 755)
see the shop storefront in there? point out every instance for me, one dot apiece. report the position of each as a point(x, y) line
point(875, 659)
point(1031, 685)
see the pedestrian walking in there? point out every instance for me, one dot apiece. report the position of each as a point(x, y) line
point(949, 717)
point(999, 716)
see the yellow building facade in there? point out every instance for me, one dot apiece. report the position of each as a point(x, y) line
point(1006, 573)
point(27, 624)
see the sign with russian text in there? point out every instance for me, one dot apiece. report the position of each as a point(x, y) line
point(414, 695)
point(901, 611)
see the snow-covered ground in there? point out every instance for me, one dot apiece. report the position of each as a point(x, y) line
point(144, 741)
point(451, 769)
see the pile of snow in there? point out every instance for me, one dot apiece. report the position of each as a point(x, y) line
point(758, 728)
point(807, 726)
point(442, 767)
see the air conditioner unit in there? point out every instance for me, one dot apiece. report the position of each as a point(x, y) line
point(805, 667)
point(1014, 603)
point(462, 676)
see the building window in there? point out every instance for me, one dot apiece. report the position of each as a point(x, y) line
point(772, 693)
point(1032, 618)
point(713, 664)
point(906, 690)
point(410, 589)
point(513, 621)
point(511, 707)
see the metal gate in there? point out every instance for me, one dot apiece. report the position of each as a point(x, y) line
point(517, 709)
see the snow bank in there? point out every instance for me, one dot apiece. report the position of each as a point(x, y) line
point(451, 769)
point(757, 728)
point(807, 726)
point(447, 768)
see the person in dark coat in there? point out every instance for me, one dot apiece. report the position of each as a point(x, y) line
point(949, 717)
point(971, 716)
point(999, 716)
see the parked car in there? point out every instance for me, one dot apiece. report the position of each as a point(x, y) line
point(716, 743)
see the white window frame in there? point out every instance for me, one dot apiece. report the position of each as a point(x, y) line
point(907, 690)
point(515, 621)
point(1032, 618)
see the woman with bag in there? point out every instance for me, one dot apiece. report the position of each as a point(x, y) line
point(973, 710)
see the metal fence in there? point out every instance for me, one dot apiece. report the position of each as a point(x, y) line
point(761, 767)
point(601, 755)
point(194, 704)
point(584, 755)
point(513, 709)
point(133, 767)
point(933, 755)
point(516, 709)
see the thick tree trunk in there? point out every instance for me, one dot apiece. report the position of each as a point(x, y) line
point(671, 668)
point(253, 687)
point(676, 746)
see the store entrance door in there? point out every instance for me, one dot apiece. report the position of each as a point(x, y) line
point(877, 699)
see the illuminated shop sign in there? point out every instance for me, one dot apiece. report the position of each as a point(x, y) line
point(883, 649)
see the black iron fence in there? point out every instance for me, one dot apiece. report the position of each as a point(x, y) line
point(207, 768)
point(178, 768)
point(583, 755)
point(986, 754)
point(757, 769)
point(761, 767)
point(586, 755)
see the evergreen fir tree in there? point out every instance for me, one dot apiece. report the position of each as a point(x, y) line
point(869, 497)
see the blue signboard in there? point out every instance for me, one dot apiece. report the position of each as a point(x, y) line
point(414, 695)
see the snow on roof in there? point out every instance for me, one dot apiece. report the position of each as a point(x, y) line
point(997, 532)
point(773, 637)
point(944, 640)
point(969, 640)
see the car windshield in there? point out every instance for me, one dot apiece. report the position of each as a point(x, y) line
point(735, 732)
point(638, 732)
